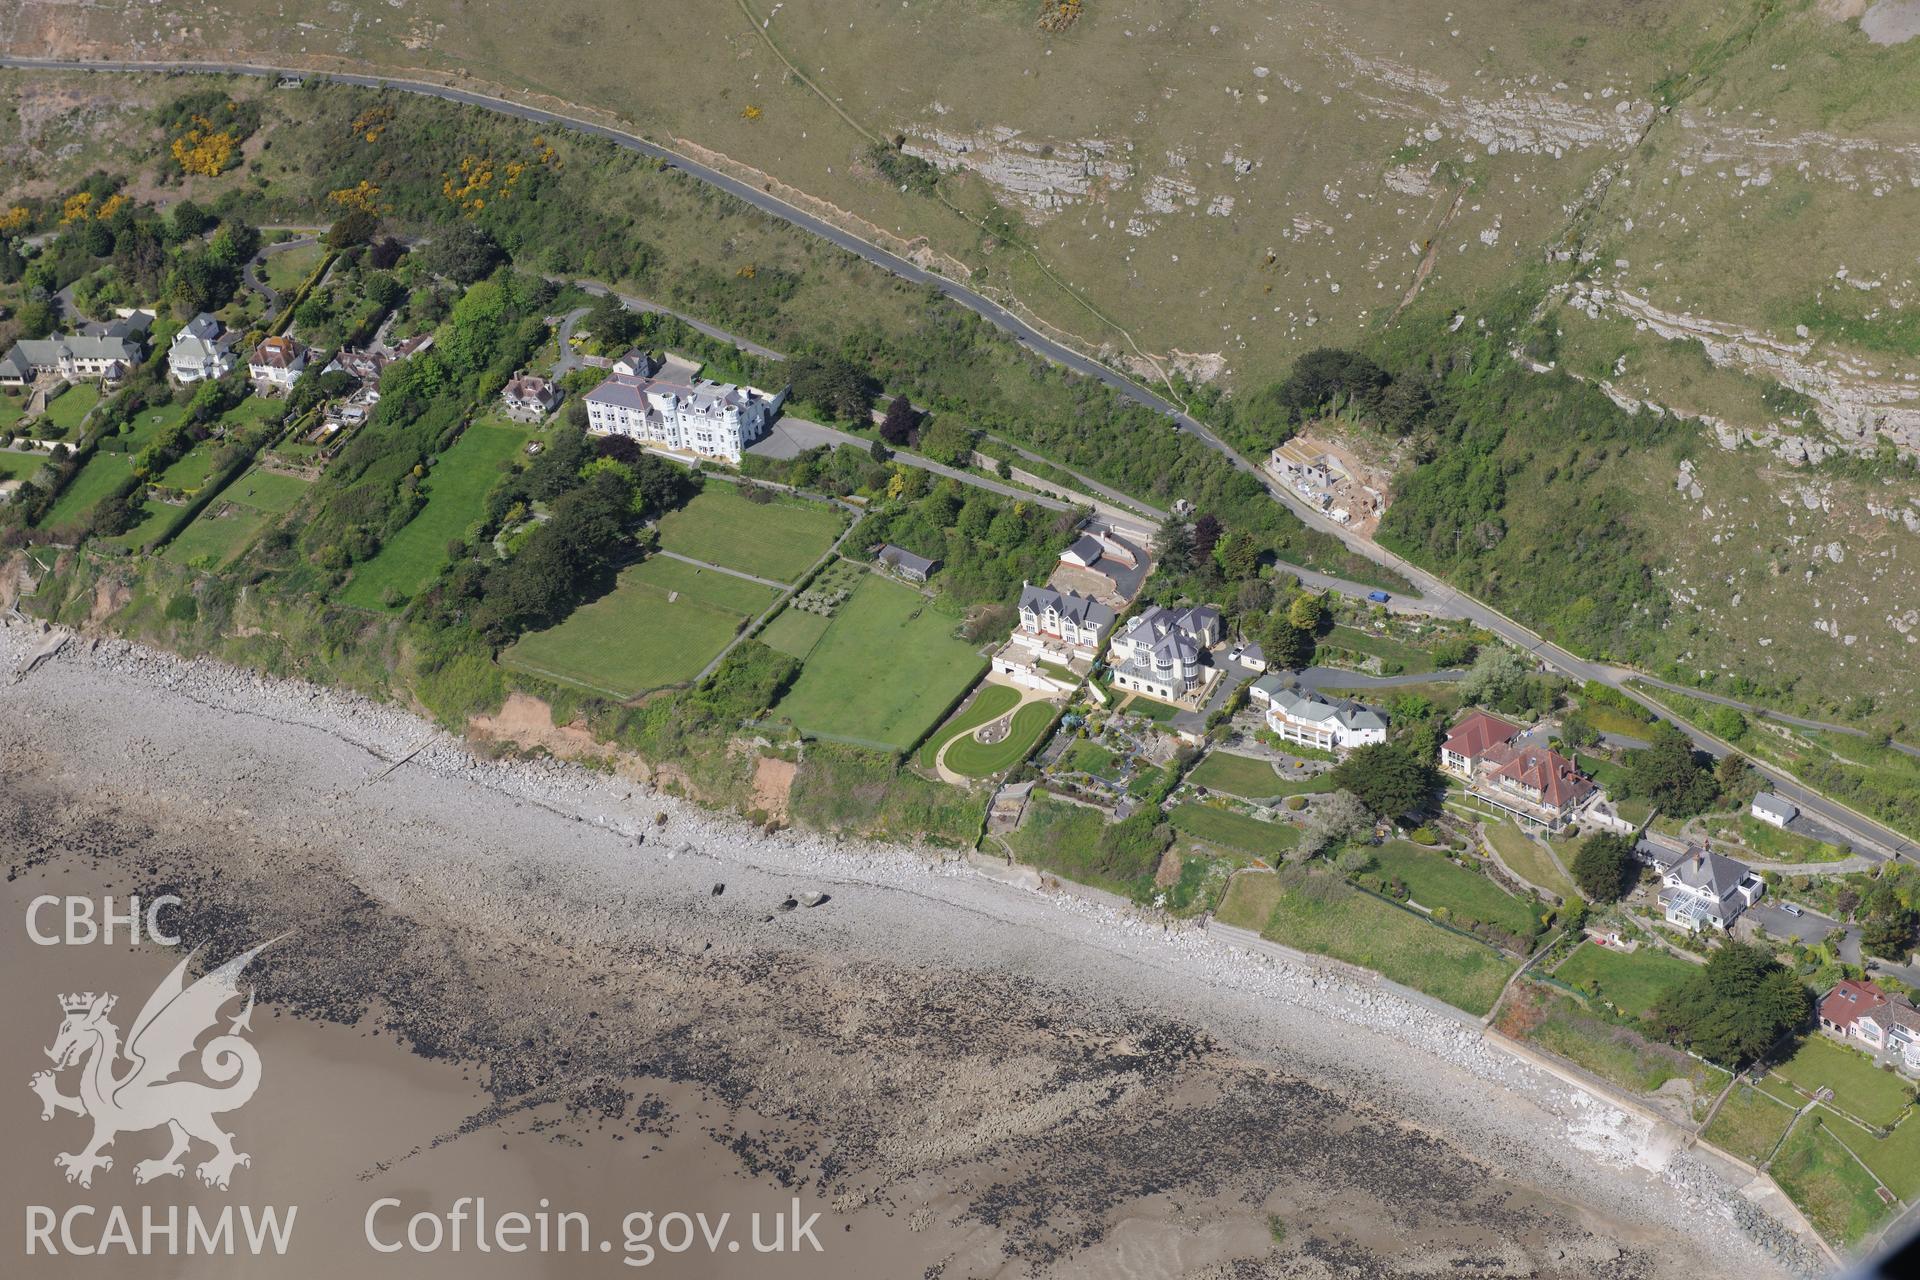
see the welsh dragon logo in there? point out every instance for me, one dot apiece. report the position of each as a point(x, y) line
point(144, 1093)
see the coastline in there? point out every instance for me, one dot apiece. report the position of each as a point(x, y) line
point(561, 866)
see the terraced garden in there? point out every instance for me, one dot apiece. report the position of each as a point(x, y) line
point(1230, 830)
point(1631, 981)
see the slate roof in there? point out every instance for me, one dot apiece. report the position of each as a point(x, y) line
point(1301, 703)
point(1084, 610)
point(1779, 806)
point(901, 558)
point(1709, 872)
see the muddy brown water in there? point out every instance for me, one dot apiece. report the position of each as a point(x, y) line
point(345, 1117)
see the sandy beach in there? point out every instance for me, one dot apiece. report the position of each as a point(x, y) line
point(526, 980)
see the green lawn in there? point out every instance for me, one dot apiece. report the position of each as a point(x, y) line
point(217, 535)
point(1242, 776)
point(20, 466)
point(1089, 757)
point(457, 487)
point(66, 410)
point(1609, 775)
point(252, 410)
point(722, 591)
point(1232, 830)
point(795, 632)
point(288, 269)
point(190, 470)
point(1632, 982)
point(884, 672)
point(1749, 1123)
point(1895, 1159)
point(779, 539)
point(1434, 880)
point(1613, 720)
point(1314, 910)
point(990, 702)
point(971, 758)
point(1527, 858)
point(267, 491)
point(628, 641)
point(149, 423)
point(1828, 1184)
point(102, 474)
point(1859, 1088)
point(12, 409)
point(1151, 710)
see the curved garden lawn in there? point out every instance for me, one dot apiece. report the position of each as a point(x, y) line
point(971, 758)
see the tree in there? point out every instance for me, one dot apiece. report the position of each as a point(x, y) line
point(1387, 778)
point(463, 253)
point(1604, 867)
point(1727, 723)
point(36, 318)
point(354, 227)
point(1173, 548)
point(897, 428)
point(188, 219)
point(386, 253)
point(1206, 534)
point(834, 384)
point(949, 440)
point(1734, 1008)
point(1404, 406)
point(1238, 556)
point(1577, 731)
point(1322, 375)
point(1335, 818)
point(1668, 772)
point(1307, 612)
point(1497, 678)
point(610, 323)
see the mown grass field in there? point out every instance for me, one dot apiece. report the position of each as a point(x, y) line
point(98, 478)
point(1859, 1088)
point(1894, 1159)
point(1828, 1184)
point(1433, 880)
point(887, 668)
point(632, 639)
point(1632, 982)
point(1527, 858)
point(707, 586)
point(990, 702)
point(231, 522)
point(1749, 1123)
point(1242, 776)
point(67, 409)
point(456, 487)
point(20, 466)
point(288, 269)
point(1230, 830)
point(974, 759)
point(1316, 911)
point(795, 632)
point(779, 539)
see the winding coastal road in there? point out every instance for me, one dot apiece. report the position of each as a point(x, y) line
point(1437, 594)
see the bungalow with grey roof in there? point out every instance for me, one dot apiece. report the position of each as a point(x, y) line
point(1305, 716)
point(107, 349)
point(1774, 810)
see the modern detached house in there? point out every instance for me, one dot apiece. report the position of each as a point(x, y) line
point(1163, 652)
point(277, 362)
point(712, 419)
point(1700, 889)
point(1861, 1012)
point(528, 397)
point(1309, 718)
point(1535, 784)
point(202, 350)
point(1060, 619)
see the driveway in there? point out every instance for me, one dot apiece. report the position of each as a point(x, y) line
point(569, 358)
point(1339, 678)
point(792, 436)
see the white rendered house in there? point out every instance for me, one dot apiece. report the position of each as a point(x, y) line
point(712, 419)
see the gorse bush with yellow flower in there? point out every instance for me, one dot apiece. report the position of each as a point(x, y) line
point(206, 130)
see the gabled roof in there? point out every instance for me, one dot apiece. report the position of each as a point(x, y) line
point(1084, 610)
point(1300, 703)
point(1709, 872)
point(1557, 779)
point(278, 352)
point(1473, 735)
point(1779, 806)
point(1270, 684)
point(1849, 1001)
point(901, 558)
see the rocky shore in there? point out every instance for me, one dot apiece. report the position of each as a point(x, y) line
point(1051, 1077)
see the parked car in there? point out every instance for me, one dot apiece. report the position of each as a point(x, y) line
point(1790, 909)
point(1378, 597)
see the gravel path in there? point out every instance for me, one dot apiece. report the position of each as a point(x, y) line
point(926, 1023)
